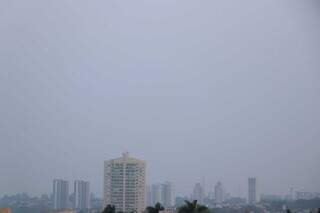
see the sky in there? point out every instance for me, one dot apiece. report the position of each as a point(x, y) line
point(220, 90)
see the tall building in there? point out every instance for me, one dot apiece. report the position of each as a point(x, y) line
point(149, 196)
point(252, 190)
point(219, 192)
point(198, 193)
point(167, 194)
point(81, 195)
point(156, 193)
point(60, 194)
point(125, 184)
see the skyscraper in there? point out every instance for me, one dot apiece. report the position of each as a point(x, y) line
point(198, 193)
point(219, 192)
point(167, 194)
point(252, 190)
point(156, 193)
point(81, 195)
point(60, 194)
point(125, 184)
point(148, 196)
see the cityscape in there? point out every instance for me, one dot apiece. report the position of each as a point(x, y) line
point(159, 106)
point(125, 187)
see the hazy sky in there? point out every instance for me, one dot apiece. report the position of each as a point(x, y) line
point(221, 89)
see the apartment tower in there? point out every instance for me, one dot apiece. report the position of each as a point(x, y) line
point(124, 184)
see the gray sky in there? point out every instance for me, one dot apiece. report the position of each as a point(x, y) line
point(221, 89)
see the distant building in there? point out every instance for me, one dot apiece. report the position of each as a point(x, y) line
point(60, 194)
point(252, 190)
point(198, 193)
point(125, 184)
point(5, 210)
point(167, 194)
point(306, 195)
point(270, 197)
point(168, 210)
point(81, 195)
point(156, 194)
point(95, 202)
point(219, 193)
point(148, 196)
point(181, 200)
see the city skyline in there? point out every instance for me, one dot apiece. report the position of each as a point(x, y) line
point(206, 190)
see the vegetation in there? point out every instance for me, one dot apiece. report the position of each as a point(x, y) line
point(109, 209)
point(155, 209)
point(193, 207)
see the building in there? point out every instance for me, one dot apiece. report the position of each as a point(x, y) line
point(198, 193)
point(155, 194)
point(270, 197)
point(306, 195)
point(81, 195)
point(124, 184)
point(60, 194)
point(168, 210)
point(149, 196)
point(252, 190)
point(5, 210)
point(167, 194)
point(219, 193)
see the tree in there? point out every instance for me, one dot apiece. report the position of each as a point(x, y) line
point(109, 209)
point(156, 209)
point(193, 207)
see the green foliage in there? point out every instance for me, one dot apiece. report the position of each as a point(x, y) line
point(193, 207)
point(158, 207)
point(109, 209)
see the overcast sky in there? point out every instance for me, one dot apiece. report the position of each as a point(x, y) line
point(220, 89)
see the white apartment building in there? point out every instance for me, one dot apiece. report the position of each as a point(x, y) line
point(81, 195)
point(60, 194)
point(124, 184)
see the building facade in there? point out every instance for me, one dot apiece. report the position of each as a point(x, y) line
point(167, 194)
point(60, 194)
point(219, 193)
point(156, 194)
point(252, 190)
point(148, 196)
point(81, 195)
point(198, 193)
point(124, 184)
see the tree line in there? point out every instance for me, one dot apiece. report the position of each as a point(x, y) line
point(188, 207)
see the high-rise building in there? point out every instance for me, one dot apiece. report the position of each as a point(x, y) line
point(198, 193)
point(156, 193)
point(167, 194)
point(81, 195)
point(219, 192)
point(252, 190)
point(149, 196)
point(60, 194)
point(125, 184)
